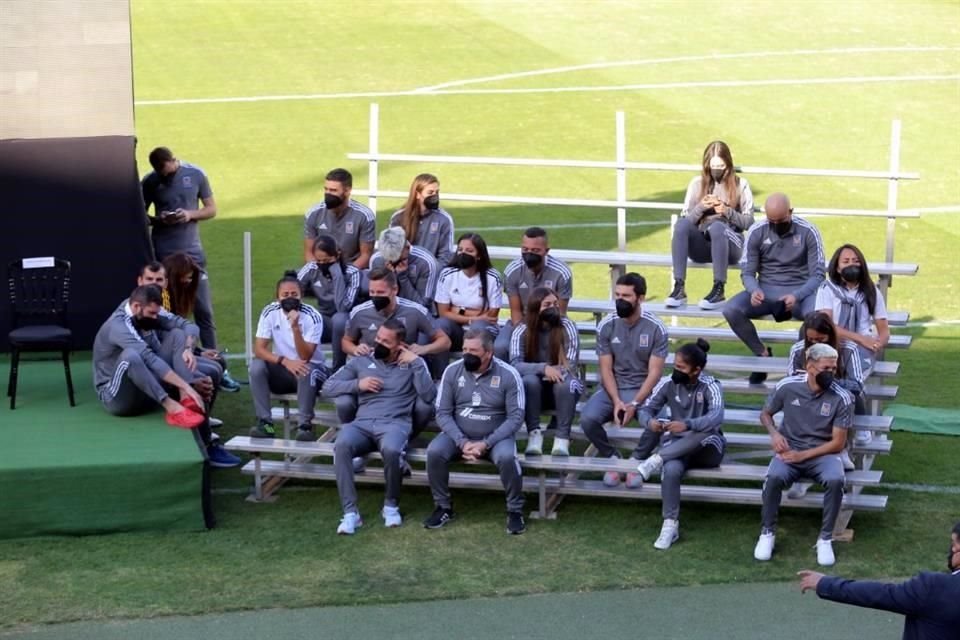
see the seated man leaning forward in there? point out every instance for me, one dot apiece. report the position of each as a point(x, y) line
point(480, 407)
point(386, 383)
point(133, 368)
point(817, 412)
point(294, 361)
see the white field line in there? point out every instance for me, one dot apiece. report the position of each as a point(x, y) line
point(717, 84)
point(697, 58)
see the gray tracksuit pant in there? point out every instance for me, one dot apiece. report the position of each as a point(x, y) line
point(443, 450)
point(134, 388)
point(680, 454)
point(267, 377)
point(360, 438)
point(423, 412)
point(714, 246)
point(203, 313)
point(599, 410)
point(543, 395)
point(739, 313)
point(826, 470)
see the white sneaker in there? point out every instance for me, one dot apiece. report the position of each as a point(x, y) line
point(650, 466)
point(349, 524)
point(534, 443)
point(825, 557)
point(669, 533)
point(561, 447)
point(798, 489)
point(847, 461)
point(863, 437)
point(391, 517)
point(764, 549)
point(217, 422)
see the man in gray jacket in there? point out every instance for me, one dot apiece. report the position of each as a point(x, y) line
point(480, 406)
point(387, 383)
point(782, 267)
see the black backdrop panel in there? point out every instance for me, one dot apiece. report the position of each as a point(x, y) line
point(79, 199)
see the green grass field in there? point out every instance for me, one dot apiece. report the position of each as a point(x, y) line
point(266, 160)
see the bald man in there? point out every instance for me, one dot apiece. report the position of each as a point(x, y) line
point(782, 267)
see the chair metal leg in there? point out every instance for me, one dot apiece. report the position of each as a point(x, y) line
point(14, 370)
point(66, 370)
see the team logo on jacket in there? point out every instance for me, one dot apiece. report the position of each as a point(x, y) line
point(644, 340)
point(700, 397)
point(475, 399)
point(797, 240)
point(825, 409)
point(349, 227)
point(187, 181)
point(434, 227)
point(460, 382)
point(548, 284)
point(495, 382)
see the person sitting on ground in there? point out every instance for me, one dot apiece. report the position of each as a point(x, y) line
point(854, 303)
point(385, 383)
point(632, 347)
point(781, 267)
point(287, 358)
point(469, 291)
point(364, 326)
point(336, 285)
point(351, 224)
point(545, 350)
point(819, 329)
point(425, 224)
point(133, 368)
point(817, 412)
point(690, 438)
point(416, 270)
point(480, 405)
point(717, 210)
point(535, 268)
point(928, 601)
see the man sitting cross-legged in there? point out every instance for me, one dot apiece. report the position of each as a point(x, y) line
point(386, 382)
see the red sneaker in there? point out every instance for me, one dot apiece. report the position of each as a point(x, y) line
point(185, 419)
point(191, 405)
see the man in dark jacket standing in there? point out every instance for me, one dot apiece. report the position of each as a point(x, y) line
point(930, 601)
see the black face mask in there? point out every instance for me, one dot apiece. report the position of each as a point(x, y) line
point(717, 174)
point(471, 362)
point(143, 323)
point(332, 200)
point(324, 267)
point(290, 304)
point(624, 308)
point(380, 302)
point(851, 273)
point(781, 228)
point(532, 260)
point(550, 317)
point(465, 261)
point(381, 352)
point(431, 203)
point(679, 377)
point(824, 379)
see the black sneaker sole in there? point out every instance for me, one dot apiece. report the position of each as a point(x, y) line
point(443, 523)
point(516, 533)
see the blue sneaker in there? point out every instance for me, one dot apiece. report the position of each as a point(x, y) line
point(221, 458)
point(228, 384)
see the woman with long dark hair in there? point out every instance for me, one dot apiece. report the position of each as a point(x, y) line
point(469, 291)
point(690, 438)
point(717, 210)
point(335, 284)
point(545, 350)
point(854, 303)
point(426, 224)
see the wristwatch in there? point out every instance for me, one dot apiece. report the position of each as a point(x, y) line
point(462, 311)
point(634, 404)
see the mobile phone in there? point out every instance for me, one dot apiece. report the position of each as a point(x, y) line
point(663, 420)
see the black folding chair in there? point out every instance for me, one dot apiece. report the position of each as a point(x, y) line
point(39, 292)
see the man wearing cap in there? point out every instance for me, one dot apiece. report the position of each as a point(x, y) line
point(782, 267)
point(415, 268)
point(534, 268)
point(817, 412)
point(352, 224)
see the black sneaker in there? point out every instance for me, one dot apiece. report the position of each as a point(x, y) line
point(715, 298)
point(515, 523)
point(677, 297)
point(759, 377)
point(264, 429)
point(438, 518)
point(305, 433)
